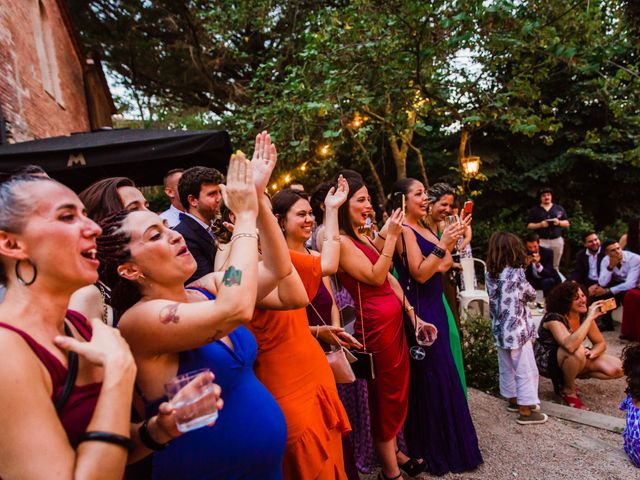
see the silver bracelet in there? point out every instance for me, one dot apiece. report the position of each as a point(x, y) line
point(239, 235)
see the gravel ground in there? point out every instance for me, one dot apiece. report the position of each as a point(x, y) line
point(557, 449)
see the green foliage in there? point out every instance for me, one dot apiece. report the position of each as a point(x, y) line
point(480, 353)
point(548, 90)
point(158, 201)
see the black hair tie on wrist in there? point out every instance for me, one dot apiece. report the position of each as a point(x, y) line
point(147, 440)
point(108, 437)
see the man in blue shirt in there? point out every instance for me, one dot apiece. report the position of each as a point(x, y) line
point(619, 272)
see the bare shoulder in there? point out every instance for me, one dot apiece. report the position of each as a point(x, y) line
point(24, 362)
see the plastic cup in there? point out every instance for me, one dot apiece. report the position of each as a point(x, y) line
point(193, 399)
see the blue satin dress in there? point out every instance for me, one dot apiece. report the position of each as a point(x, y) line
point(248, 439)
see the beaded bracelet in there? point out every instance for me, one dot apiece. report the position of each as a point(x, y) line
point(147, 440)
point(108, 437)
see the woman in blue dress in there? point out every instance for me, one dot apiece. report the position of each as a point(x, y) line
point(438, 427)
point(173, 330)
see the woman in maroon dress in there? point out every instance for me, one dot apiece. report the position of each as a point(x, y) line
point(364, 271)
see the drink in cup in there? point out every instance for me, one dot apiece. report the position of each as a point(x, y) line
point(451, 219)
point(193, 399)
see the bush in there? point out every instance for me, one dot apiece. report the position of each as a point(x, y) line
point(480, 353)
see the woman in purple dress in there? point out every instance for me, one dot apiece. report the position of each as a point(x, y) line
point(438, 427)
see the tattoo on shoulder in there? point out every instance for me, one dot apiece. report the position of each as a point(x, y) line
point(169, 314)
point(232, 277)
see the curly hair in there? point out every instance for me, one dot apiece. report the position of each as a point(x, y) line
point(505, 250)
point(113, 251)
point(438, 190)
point(631, 368)
point(561, 297)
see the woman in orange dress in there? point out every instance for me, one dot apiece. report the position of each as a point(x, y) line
point(293, 367)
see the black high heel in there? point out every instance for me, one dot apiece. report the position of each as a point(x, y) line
point(412, 467)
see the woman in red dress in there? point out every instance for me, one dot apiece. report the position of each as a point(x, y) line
point(364, 271)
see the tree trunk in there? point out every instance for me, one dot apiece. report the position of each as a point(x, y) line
point(372, 168)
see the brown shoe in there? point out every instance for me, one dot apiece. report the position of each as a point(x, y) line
point(533, 419)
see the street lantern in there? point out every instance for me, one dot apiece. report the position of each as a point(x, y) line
point(471, 165)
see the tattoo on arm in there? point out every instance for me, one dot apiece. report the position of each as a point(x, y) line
point(169, 314)
point(232, 277)
point(217, 336)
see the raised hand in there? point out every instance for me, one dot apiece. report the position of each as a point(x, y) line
point(452, 233)
point(263, 162)
point(240, 193)
point(337, 196)
point(394, 224)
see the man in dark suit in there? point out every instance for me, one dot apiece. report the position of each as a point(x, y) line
point(588, 262)
point(200, 194)
point(540, 272)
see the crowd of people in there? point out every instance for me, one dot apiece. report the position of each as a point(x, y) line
point(105, 302)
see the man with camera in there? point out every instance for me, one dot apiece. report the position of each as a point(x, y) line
point(548, 220)
point(619, 272)
point(540, 272)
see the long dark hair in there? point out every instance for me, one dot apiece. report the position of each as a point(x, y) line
point(316, 200)
point(505, 250)
point(102, 198)
point(113, 251)
point(355, 183)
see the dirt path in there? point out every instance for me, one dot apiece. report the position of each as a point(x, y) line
point(557, 449)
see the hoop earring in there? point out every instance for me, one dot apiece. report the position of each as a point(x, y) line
point(19, 275)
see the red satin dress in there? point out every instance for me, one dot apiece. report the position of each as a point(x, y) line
point(384, 337)
point(293, 367)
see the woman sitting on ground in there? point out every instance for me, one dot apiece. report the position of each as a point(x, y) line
point(47, 251)
point(560, 353)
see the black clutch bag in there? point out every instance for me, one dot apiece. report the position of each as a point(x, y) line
point(364, 367)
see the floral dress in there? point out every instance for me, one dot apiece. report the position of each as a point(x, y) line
point(510, 317)
point(631, 432)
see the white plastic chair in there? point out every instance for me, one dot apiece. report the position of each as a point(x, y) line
point(471, 294)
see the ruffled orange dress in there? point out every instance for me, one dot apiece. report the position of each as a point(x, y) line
point(293, 367)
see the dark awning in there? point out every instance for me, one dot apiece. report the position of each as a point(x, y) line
point(143, 155)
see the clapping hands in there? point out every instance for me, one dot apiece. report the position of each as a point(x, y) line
point(337, 196)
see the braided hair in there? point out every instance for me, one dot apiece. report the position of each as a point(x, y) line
point(113, 251)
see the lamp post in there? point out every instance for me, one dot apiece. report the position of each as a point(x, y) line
point(471, 165)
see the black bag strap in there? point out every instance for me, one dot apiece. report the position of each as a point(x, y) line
point(72, 374)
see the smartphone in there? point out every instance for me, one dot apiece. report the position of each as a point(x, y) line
point(468, 207)
point(608, 305)
point(398, 201)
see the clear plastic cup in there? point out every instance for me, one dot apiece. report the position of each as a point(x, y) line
point(193, 399)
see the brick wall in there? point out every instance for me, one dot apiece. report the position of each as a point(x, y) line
point(29, 110)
